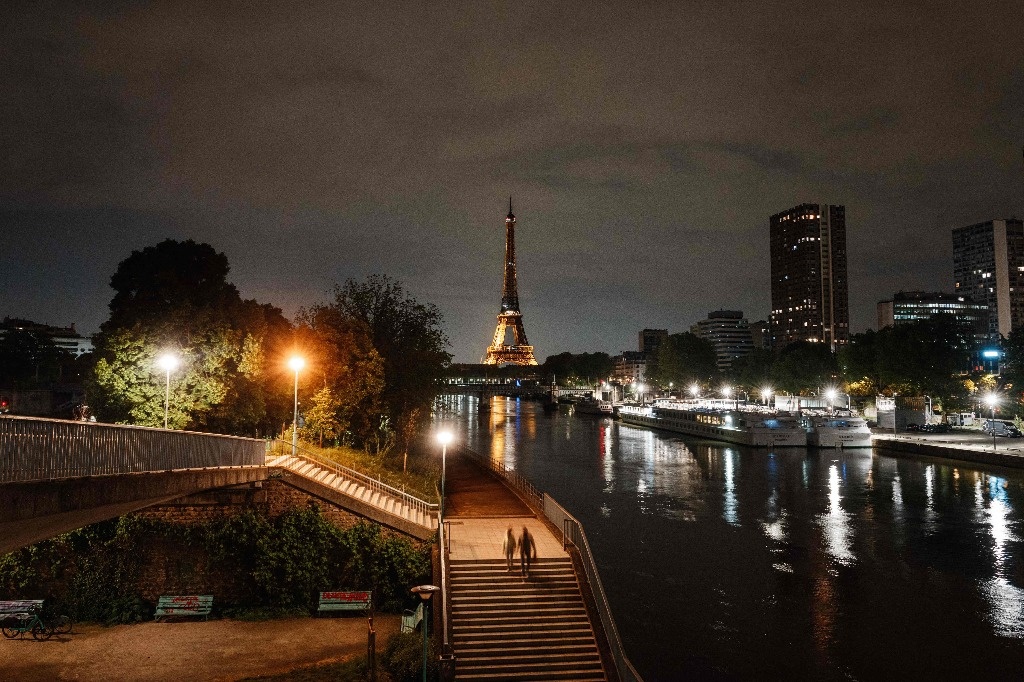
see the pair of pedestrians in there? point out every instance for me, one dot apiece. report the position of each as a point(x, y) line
point(527, 547)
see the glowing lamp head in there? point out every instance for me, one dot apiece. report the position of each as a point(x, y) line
point(766, 393)
point(830, 394)
point(726, 391)
point(444, 437)
point(695, 390)
point(992, 400)
point(296, 363)
point(168, 362)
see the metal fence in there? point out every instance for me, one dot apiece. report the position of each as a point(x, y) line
point(572, 532)
point(530, 494)
point(281, 447)
point(34, 449)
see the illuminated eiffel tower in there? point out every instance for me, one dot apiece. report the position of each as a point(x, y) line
point(519, 352)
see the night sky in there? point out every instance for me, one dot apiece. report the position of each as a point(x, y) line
point(645, 144)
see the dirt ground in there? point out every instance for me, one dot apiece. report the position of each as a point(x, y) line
point(190, 650)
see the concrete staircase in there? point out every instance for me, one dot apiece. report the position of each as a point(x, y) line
point(355, 488)
point(504, 628)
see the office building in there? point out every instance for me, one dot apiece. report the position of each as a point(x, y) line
point(729, 333)
point(988, 268)
point(810, 296)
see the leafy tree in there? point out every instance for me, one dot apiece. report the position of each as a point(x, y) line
point(173, 297)
point(683, 359)
point(582, 368)
point(28, 358)
point(753, 371)
point(393, 352)
point(322, 417)
point(803, 367)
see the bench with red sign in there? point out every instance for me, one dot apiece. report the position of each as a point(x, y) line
point(184, 605)
point(344, 601)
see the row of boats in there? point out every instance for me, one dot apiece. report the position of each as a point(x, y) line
point(753, 425)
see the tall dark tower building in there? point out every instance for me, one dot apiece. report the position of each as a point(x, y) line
point(810, 298)
point(988, 267)
point(519, 352)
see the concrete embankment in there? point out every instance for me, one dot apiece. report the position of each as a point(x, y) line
point(977, 454)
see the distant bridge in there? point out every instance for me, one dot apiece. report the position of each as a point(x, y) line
point(487, 389)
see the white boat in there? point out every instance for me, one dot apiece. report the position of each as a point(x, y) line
point(602, 408)
point(836, 430)
point(715, 419)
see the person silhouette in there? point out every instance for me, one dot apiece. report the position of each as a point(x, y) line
point(527, 551)
point(508, 546)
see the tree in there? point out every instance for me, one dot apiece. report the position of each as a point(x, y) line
point(174, 297)
point(407, 341)
point(804, 367)
point(583, 368)
point(30, 359)
point(683, 359)
point(753, 371)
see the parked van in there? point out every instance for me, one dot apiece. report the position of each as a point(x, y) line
point(1000, 428)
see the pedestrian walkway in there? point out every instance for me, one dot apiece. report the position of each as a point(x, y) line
point(506, 626)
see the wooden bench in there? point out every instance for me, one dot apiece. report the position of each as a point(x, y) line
point(184, 605)
point(344, 601)
point(16, 609)
point(411, 619)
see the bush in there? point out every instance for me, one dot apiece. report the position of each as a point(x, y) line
point(403, 658)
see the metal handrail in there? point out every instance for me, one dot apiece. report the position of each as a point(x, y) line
point(370, 482)
point(512, 477)
point(572, 531)
point(34, 449)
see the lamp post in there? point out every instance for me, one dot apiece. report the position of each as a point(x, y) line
point(831, 395)
point(992, 400)
point(443, 437)
point(425, 592)
point(726, 392)
point(295, 364)
point(695, 391)
point(168, 363)
point(766, 394)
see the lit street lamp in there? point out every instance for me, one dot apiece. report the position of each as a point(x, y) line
point(168, 363)
point(766, 394)
point(726, 392)
point(695, 391)
point(295, 364)
point(831, 395)
point(443, 437)
point(425, 592)
point(992, 400)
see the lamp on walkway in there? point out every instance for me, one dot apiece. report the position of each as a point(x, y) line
point(992, 400)
point(295, 364)
point(831, 395)
point(443, 437)
point(168, 363)
point(425, 592)
point(766, 394)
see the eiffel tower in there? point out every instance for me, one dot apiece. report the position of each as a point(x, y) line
point(519, 352)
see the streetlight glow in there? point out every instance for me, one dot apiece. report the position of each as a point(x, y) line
point(167, 362)
point(444, 437)
point(695, 390)
point(296, 363)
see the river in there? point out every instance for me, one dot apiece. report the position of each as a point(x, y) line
point(727, 563)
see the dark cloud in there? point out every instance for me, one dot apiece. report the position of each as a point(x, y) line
point(646, 146)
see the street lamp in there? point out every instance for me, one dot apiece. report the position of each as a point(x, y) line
point(295, 363)
point(726, 392)
point(425, 592)
point(695, 391)
point(992, 400)
point(766, 394)
point(443, 437)
point(831, 395)
point(168, 363)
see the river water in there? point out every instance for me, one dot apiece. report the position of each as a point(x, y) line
point(727, 563)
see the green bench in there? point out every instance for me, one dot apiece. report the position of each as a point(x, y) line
point(411, 619)
point(16, 609)
point(184, 605)
point(344, 601)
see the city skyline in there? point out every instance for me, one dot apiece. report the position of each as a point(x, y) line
point(646, 149)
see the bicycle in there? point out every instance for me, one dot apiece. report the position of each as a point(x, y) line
point(18, 624)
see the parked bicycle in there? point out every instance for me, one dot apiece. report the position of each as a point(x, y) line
point(16, 625)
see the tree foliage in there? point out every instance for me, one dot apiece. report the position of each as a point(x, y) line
point(683, 359)
point(174, 298)
point(582, 368)
point(30, 359)
point(383, 354)
point(804, 367)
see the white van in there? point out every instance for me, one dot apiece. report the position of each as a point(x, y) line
point(1000, 428)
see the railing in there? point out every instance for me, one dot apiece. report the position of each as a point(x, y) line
point(515, 479)
point(33, 449)
point(285, 448)
point(572, 531)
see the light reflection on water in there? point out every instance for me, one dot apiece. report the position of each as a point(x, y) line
point(722, 562)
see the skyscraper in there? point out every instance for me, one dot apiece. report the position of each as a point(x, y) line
point(988, 267)
point(810, 298)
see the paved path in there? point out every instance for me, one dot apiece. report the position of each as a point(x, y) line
point(480, 508)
